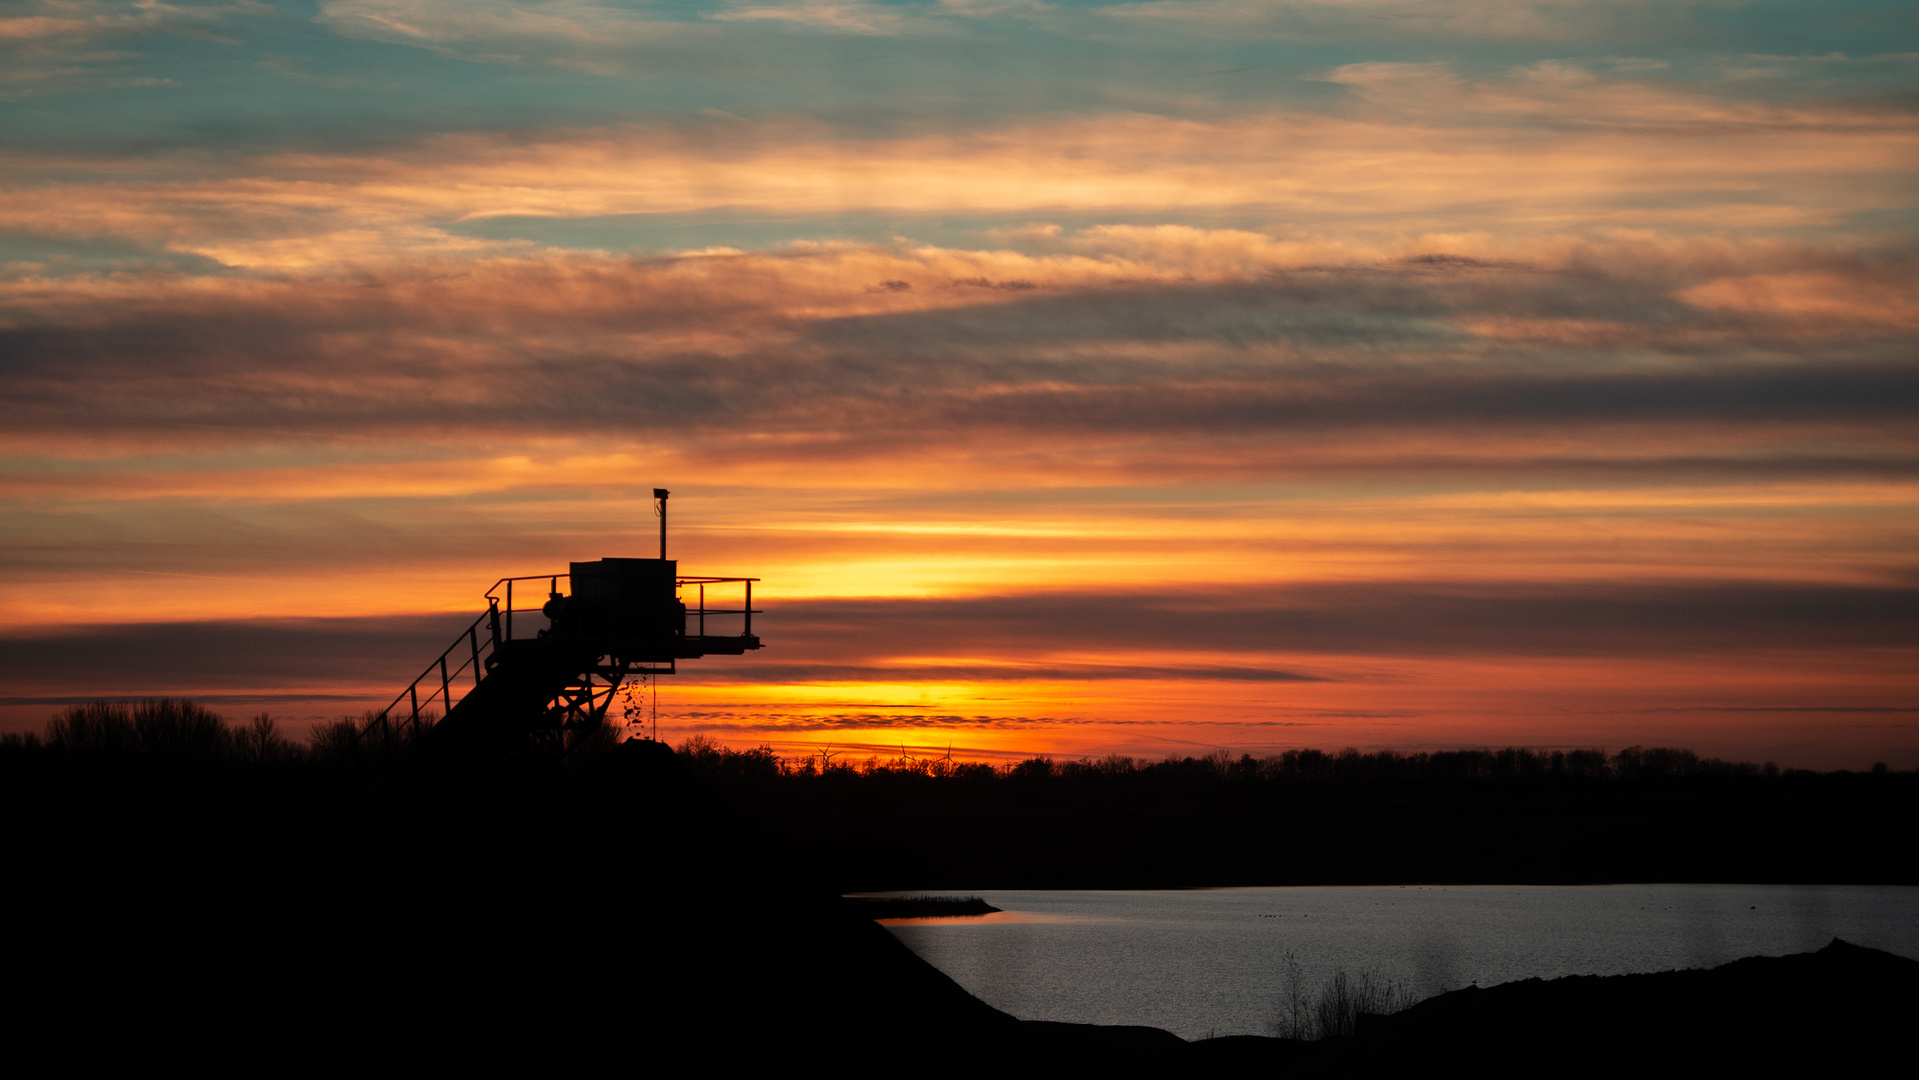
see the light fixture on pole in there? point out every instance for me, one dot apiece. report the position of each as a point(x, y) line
point(659, 507)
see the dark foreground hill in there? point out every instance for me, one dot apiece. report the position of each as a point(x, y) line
point(513, 910)
point(1843, 1008)
point(523, 914)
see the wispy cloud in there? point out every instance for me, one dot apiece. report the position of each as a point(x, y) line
point(1457, 20)
point(1159, 334)
point(575, 33)
point(68, 43)
point(850, 18)
point(1552, 145)
point(1539, 152)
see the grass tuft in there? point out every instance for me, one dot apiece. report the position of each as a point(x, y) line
point(1336, 1009)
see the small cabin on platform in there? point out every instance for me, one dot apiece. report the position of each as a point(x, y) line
point(611, 619)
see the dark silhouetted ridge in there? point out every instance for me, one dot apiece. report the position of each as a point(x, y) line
point(1843, 1008)
point(184, 893)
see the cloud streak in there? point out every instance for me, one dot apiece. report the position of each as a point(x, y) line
point(1077, 378)
point(796, 346)
point(1559, 150)
point(1012, 637)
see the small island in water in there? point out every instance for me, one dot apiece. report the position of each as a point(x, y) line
point(919, 907)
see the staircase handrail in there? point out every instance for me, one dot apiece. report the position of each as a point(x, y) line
point(471, 638)
point(499, 632)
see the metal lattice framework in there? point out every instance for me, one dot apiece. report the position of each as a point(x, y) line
point(554, 676)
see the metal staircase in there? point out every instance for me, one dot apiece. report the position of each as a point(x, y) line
point(529, 677)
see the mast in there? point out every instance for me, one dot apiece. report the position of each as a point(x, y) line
point(659, 507)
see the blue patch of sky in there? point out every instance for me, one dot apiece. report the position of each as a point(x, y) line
point(1888, 221)
point(287, 80)
point(1857, 28)
point(280, 81)
point(44, 256)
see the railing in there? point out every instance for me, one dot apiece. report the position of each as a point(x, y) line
point(696, 613)
point(500, 631)
point(411, 695)
point(702, 611)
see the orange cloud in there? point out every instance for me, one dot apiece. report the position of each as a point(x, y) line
point(1815, 301)
point(1432, 153)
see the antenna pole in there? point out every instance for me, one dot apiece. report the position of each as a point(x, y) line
point(659, 496)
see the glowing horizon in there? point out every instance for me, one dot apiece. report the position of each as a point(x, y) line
point(1078, 377)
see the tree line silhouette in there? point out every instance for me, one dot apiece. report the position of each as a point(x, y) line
point(181, 732)
point(166, 787)
point(1512, 815)
point(1220, 770)
point(173, 731)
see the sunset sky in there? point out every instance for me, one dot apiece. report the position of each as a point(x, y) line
point(1079, 378)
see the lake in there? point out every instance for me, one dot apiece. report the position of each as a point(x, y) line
point(1212, 961)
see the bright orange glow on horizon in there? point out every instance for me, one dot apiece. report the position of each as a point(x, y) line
point(1314, 382)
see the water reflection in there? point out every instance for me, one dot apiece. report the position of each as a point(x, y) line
point(1212, 960)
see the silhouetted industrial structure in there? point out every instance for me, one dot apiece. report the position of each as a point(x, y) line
point(524, 677)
